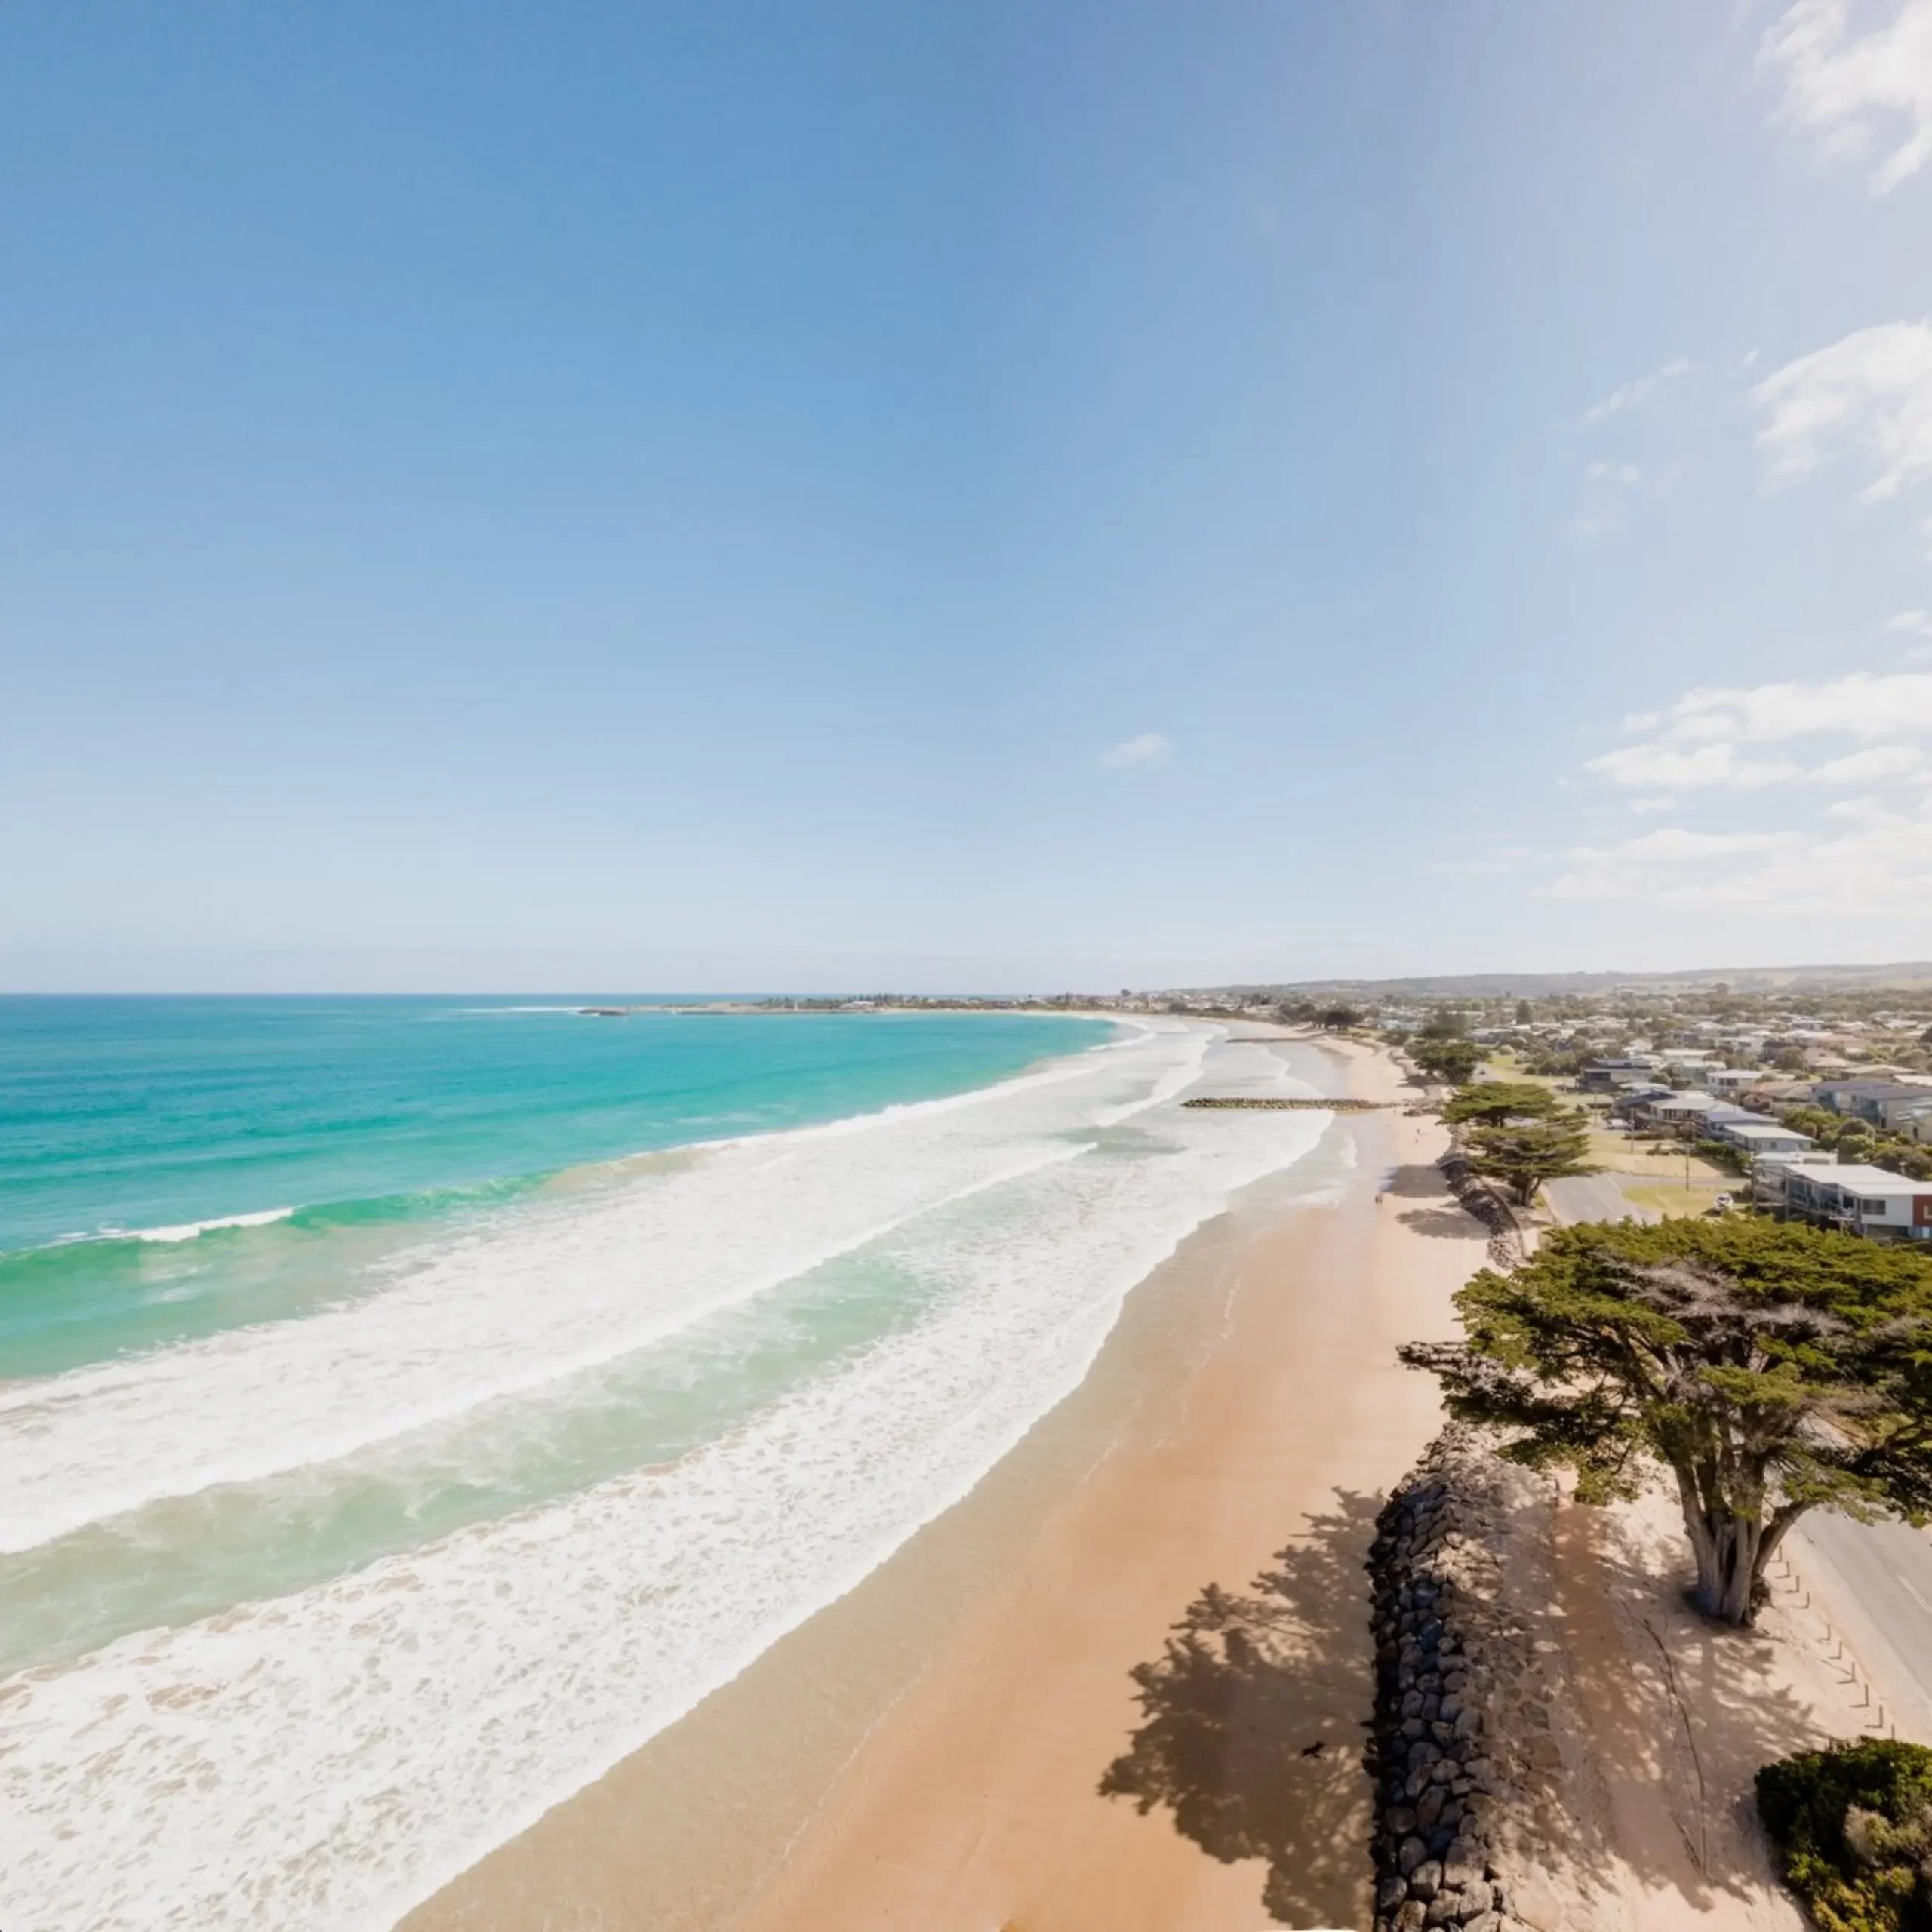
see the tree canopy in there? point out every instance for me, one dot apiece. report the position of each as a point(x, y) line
point(1500, 1100)
point(1524, 1154)
point(1772, 1368)
point(1447, 1056)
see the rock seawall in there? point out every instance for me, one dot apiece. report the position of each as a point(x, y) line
point(1461, 1752)
point(1507, 1246)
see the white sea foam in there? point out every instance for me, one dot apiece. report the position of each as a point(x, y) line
point(319, 1762)
point(562, 1287)
point(188, 1230)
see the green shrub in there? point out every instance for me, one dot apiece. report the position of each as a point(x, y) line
point(1853, 1829)
point(1724, 1154)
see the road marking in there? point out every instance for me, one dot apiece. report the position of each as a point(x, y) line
point(1914, 1595)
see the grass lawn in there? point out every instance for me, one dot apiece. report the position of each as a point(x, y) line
point(1676, 1202)
point(1505, 1065)
point(1610, 1148)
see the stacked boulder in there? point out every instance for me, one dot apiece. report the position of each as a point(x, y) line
point(1507, 1248)
point(1444, 1778)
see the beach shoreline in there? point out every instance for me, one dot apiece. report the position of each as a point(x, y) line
point(929, 1750)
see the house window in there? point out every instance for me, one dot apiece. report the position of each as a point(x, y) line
point(1871, 1208)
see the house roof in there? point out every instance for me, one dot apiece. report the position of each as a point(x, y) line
point(1875, 1090)
point(1858, 1179)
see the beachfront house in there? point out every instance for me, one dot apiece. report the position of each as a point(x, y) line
point(1758, 1136)
point(1681, 1113)
point(1607, 1076)
point(1627, 1107)
point(1884, 1103)
point(1872, 1202)
point(1730, 1081)
point(1768, 1091)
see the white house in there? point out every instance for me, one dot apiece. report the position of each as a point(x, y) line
point(1871, 1202)
point(1729, 1081)
point(1669, 1109)
point(1758, 1136)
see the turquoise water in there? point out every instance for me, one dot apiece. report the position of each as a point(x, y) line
point(124, 1116)
point(409, 1407)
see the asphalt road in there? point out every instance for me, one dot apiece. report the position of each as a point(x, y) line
point(1594, 1198)
point(1874, 1580)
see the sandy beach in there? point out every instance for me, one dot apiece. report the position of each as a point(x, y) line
point(930, 1751)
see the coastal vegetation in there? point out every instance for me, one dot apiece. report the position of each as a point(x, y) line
point(1770, 1368)
point(1852, 1828)
point(1447, 1057)
point(1860, 1140)
point(1496, 1100)
point(1524, 1154)
point(1517, 1132)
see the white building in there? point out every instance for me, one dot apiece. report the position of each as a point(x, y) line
point(1870, 1201)
point(1759, 1137)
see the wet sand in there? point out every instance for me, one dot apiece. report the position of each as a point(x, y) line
point(929, 1751)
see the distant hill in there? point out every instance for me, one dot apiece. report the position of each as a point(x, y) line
point(1915, 974)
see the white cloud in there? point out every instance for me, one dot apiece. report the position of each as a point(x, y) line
point(1150, 748)
point(1866, 811)
point(1695, 746)
point(1849, 93)
point(1604, 485)
point(1674, 846)
point(1638, 391)
point(1654, 765)
point(1898, 705)
point(1918, 621)
point(1870, 860)
point(1871, 393)
point(1862, 767)
point(1871, 852)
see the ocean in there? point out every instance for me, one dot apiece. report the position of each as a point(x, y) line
point(409, 1407)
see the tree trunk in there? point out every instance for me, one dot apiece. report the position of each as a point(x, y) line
point(1731, 1553)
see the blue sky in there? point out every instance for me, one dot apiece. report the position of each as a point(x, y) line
point(982, 495)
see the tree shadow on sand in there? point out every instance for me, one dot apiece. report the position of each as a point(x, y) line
point(1253, 1720)
point(1418, 1180)
point(1443, 1223)
point(1680, 1709)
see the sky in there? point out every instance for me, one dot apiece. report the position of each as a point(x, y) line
point(966, 495)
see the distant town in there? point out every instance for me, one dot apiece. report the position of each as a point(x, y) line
point(1805, 1095)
